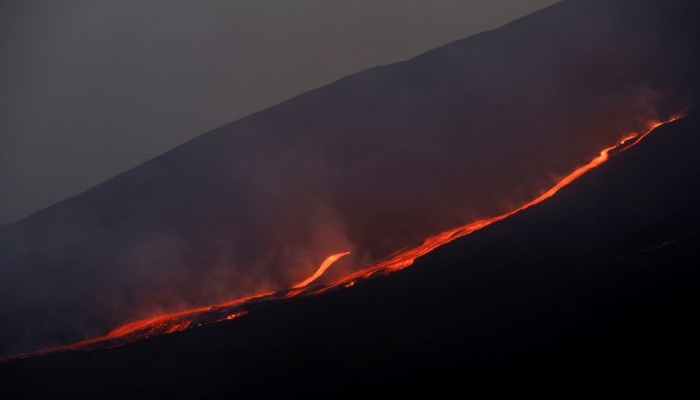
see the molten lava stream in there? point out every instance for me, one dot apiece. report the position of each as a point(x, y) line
point(406, 258)
point(324, 266)
point(175, 322)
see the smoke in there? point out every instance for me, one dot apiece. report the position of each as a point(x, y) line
point(370, 164)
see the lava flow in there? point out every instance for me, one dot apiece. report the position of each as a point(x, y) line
point(175, 322)
point(406, 258)
point(324, 266)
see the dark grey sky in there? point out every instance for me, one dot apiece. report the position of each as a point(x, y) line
point(91, 88)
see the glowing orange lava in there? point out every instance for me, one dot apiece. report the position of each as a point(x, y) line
point(406, 258)
point(324, 266)
point(179, 321)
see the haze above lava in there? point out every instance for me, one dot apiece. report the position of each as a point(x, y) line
point(371, 164)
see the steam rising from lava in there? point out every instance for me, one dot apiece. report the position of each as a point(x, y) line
point(375, 162)
point(169, 323)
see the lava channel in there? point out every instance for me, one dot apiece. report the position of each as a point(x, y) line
point(174, 322)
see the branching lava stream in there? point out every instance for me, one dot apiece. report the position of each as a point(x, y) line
point(324, 266)
point(169, 323)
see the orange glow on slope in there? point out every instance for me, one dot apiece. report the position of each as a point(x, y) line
point(324, 266)
point(651, 129)
point(158, 325)
point(179, 321)
point(406, 258)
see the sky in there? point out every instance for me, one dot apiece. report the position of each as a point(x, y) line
point(92, 88)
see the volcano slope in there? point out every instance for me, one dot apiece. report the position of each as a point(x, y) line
point(599, 281)
point(372, 163)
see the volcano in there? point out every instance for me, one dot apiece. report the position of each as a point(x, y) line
point(596, 277)
point(596, 282)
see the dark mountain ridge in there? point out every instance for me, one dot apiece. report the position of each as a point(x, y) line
point(593, 289)
point(371, 163)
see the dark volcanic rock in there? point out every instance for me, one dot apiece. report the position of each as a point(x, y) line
point(370, 163)
point(595, 287)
